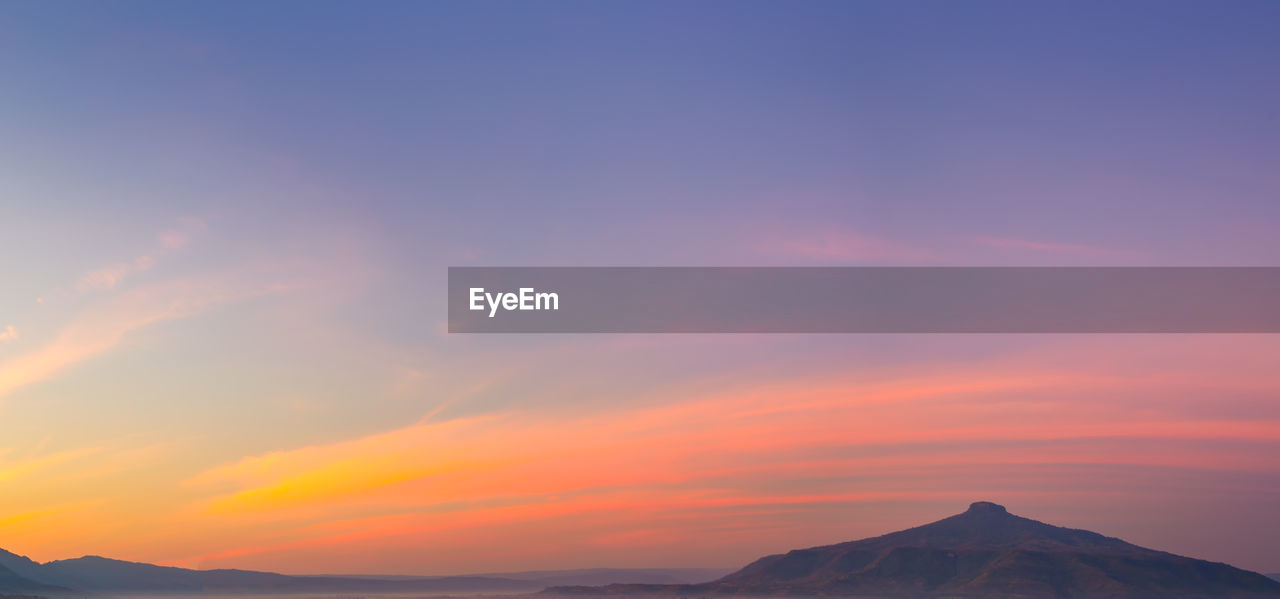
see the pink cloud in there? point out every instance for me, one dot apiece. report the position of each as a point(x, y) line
point(102, 327)
point(1044, 247)
point(747, 461)
point(110, 276)
point(840, 246)
point(174, 239)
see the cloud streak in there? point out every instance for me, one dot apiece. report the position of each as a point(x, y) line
point(838, 246)
point(108, 277)
point(748, 462)
point(102, 327)
point(1047, 247)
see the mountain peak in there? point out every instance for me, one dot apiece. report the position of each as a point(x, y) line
point(986, 507)
point(988, 552)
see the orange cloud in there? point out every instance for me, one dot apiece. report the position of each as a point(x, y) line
point(752, 461)
point(712, 471)
point(13, 470)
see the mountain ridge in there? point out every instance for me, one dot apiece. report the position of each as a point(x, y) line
point(12, 582)
point(95, 574)
point(983, 552)
point(980, 553)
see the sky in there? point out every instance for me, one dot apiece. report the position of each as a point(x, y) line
point(226, 228)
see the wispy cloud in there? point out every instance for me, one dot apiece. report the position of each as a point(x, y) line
point(1048, 247)
point(102, 326)
point(16, 469)
point(174, 239)
point(840, 246)
point(108, 277)
point(8, 334)
point(753, 462)
point(757, 456)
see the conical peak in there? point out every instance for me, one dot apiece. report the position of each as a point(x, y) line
point(986, 507)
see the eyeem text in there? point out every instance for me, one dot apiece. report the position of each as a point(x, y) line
point(527, 299)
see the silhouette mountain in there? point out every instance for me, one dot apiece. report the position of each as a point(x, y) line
point(12, 582)
point(91, 574)
point(983, 552)
point(99, 574)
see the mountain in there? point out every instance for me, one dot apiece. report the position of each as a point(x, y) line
point(101, 575)
point(19, 574)
point(18, 564)
point(983, 552)
point(12, 582)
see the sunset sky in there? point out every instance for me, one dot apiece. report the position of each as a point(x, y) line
point(225, 228)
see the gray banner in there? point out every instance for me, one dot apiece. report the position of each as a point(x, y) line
point(864, 300)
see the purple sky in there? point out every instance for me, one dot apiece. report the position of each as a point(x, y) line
point(226, 227)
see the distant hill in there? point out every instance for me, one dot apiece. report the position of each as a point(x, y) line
point(21, 575)
point(17, 564)
point(101, 575)
point(12, 582)
point(983, 552)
